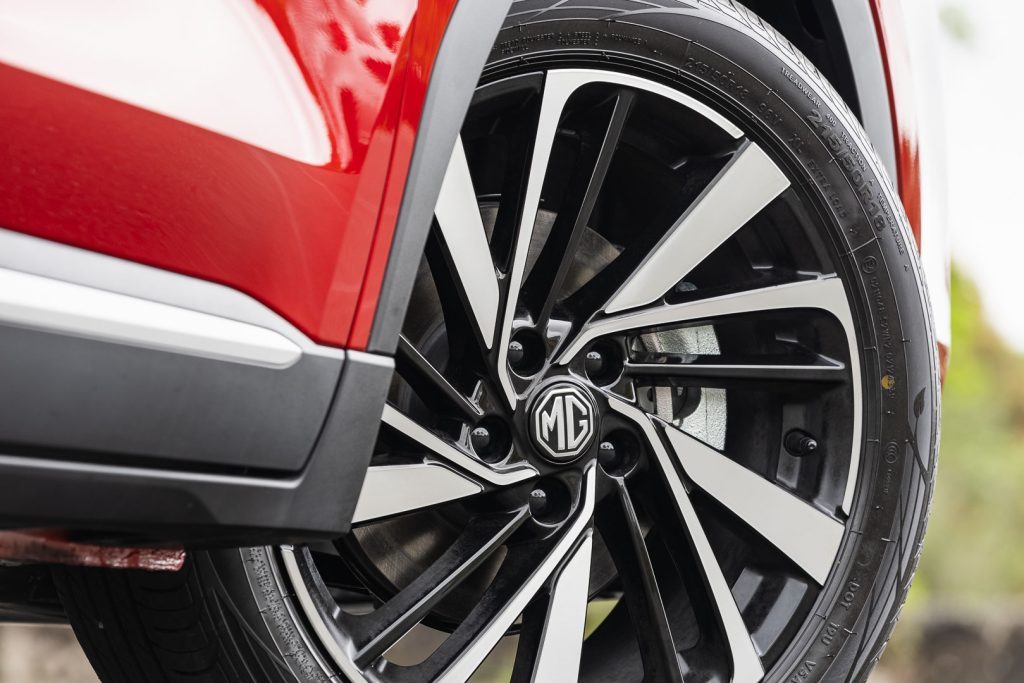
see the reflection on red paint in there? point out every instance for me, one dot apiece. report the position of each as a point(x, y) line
point(308, 241)
point(892, 32)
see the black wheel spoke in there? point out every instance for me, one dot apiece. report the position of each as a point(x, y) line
point(726, 371)
point(548, 275)
point(374, 633)
point(431, 385)
point(620, 528)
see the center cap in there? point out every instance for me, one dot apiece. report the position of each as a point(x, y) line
point(563, 421)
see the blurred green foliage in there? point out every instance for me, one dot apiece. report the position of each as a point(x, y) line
point(973, 550)
point(957, 22)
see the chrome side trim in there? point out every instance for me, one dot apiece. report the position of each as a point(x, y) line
point(50, 305)
point(56, 261)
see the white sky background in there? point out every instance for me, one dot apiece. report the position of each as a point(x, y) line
point(983, 91)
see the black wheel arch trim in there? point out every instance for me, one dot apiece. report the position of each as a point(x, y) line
point(467, 41)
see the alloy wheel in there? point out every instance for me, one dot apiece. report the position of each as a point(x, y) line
point(625, 428)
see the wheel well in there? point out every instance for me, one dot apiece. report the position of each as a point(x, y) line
point(813, 27)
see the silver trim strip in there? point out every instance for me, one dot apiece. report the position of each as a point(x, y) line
point(50, 305)
point(56, 261)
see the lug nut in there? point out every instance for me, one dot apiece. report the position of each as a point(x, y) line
point(618, 453)
point(516, 353)
point(799, 443)
point(490, 439)
point(539, 503)
point(526, 352)
point(480, 437)
point(550, 502)
point(603, 363)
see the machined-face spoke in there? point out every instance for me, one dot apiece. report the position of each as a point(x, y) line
point(458, 215)
point(549, 272)
point(478, 644)
point(556, 93)
point(807, 535)
point(826, 294)
point(556, 624)
point(438, 447)
point(559, 85)
point(746, 663)
point(429, 384)
point(372, 634)
point(395, 489)
point(620, 528)
point(747, 184)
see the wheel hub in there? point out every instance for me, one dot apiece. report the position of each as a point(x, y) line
point(563, 421)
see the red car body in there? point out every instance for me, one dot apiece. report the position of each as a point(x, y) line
point(307, 237)
point(271, 147)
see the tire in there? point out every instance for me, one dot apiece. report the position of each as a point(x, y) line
point(233, 615)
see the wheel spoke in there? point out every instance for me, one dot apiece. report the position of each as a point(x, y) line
point(747, 184)
point(620, 528)
point(825, 294)
point(548, 274)
point(551, 642)
point(429, 384)
point(394, 489)
point(556, 93)
point(706, 370)
point(808, 536)
point(373, 634)
point(474, 644)
point(438, 447)
point(746, 663)
point(469, 256)
point(558, 87)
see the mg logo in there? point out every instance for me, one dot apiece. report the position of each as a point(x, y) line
point(563, 421)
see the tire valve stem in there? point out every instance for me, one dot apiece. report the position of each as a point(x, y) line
point(799, 443)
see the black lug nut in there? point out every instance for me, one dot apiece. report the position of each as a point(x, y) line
point(549, 501)
point(490, 439)
point(595, 365)
point(539, 503)
point(603, 363)
point(480, 437)
point(516, 353)
point(526, 352)
point(799, 443)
